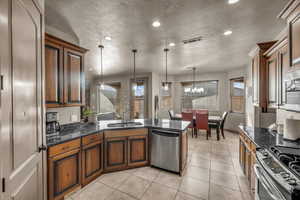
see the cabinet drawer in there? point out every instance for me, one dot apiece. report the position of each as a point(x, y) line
point(126, 133)
point(92, 138)
point(62, 148)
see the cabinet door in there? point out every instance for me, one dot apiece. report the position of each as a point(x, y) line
point(253, 176)
point(137, 150)
point(242, 154)
point(116, 153)
point(92, 161)
point(73, 77)
point(255, 79)
point(64, 174)
point(283, 68)
point(294, 40)
point(54, 74)
point(272, 80)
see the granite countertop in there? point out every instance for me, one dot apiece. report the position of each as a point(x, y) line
point(78, 130)
point(262, 137)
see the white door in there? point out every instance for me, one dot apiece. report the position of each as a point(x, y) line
point(21, 101)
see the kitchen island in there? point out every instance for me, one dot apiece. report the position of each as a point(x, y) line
point(80, 153)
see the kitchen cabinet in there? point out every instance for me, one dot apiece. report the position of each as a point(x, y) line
point(277, 67)
point(54, 74)
point(272, 80)
point(116, 153)
point(92, 157)
point(64, 169)
point(137, 150)
point(247, 159)
point(259, 75)
point(126, 149)
point(64, 77)
point(283, 68)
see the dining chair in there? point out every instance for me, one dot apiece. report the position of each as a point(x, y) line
point(202, 123)
point(224, 116)
point(219, 126)
point(171, 114)
point(205, 111)
point(188, 116)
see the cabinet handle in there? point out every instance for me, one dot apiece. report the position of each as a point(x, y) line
point(65, 148)
point(1, 83)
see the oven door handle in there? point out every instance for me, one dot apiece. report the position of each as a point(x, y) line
point(268, 185)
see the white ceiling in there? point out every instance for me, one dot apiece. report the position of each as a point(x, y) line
point(128, 22)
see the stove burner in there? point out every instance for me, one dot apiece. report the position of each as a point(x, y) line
point(295, 167)
point(285, 158)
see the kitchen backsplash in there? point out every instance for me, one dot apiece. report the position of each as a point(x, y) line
point(67, 115)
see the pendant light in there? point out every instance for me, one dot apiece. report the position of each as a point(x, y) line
point(134, 51)
point(101, 65)
point(165, 84)
point(194, 85)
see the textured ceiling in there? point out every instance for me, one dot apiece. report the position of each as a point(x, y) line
point(128, 22)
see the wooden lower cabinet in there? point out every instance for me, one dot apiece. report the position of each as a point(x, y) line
point(116, 153)
point(247, 159)
point(64, 174)
point(137, 151)
point(92, 161)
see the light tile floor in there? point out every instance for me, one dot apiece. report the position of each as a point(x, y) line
point(213, 173)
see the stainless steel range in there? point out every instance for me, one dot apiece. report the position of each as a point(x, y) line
point(278, 173)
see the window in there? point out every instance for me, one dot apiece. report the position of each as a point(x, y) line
point(200, 95)
point(139, 106)
point(108, 98)
point(237, 95)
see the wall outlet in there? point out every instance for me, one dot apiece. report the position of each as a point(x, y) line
point(74, 118)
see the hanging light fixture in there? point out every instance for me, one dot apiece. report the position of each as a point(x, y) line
point(101, 65)
point(165, 84)
point(134, 51)
point(194, 82)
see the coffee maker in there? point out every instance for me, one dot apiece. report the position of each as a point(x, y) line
point(52, 124)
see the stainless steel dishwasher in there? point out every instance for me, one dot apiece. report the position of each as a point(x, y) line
point(165, 149)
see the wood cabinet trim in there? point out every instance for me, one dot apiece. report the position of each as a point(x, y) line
point(125, 133)
point(92, 138)
point(58, 41)
point(64, 147)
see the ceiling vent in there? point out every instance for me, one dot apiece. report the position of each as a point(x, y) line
point(192, 40)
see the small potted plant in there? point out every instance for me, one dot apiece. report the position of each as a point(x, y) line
point(88, 115)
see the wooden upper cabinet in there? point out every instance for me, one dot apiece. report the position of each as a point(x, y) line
point(283, 68)
point(54, 74)
point(272, 80)
point(74, 77)
point(64, 63)
point(259, 75)
point(291, 13)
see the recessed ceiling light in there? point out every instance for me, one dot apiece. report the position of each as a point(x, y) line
point(156, 24)
point(233, 1)
point(108, 38)
point(228, 32)
point(172, 44)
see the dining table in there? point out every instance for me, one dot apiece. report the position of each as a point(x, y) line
point(212, 119)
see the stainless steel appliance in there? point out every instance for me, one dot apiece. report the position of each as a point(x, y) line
point(52, 124)
point(165, 150)
point(278, 173)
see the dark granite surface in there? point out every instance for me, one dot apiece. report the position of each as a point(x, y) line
point(78, 130)
point(262, 137)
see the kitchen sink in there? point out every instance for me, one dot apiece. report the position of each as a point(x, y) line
point(125, 124)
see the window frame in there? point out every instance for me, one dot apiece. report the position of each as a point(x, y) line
point(231, 81)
